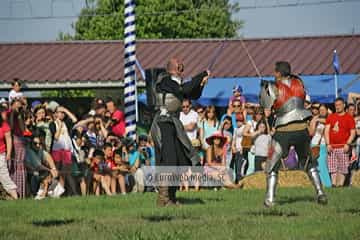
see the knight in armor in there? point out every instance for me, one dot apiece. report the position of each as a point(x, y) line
point(172, 145)
point(286, 96)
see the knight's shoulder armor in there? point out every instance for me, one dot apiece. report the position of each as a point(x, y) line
point(163, 99)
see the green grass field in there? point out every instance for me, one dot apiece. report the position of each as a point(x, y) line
point(225, 214)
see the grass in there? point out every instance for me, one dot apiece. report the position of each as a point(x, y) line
point(205, 215)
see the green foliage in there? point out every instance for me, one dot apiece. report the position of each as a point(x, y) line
point(158, 19)
point(206, 215)
point(69, 93)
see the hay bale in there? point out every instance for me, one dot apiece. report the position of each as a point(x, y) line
point(286, 179)
point(355, 181)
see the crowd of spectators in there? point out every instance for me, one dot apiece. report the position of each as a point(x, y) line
point(45, 150)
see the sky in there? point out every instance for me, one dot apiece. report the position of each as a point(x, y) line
point(311, 20)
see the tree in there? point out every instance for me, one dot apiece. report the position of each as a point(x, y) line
point(157, 19)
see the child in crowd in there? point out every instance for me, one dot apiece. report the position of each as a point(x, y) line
point(15, 92)
point(239, 164)
point(110, 175)
point(120, 170)
point(98, 168)
point(132, 156)
point(237, 95)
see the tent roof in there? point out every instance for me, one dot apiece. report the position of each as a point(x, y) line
point(88, 62)
point(320, 88)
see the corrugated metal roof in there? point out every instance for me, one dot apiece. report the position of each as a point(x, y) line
point(103, 60)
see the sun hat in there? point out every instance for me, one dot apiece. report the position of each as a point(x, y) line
point(217, 134)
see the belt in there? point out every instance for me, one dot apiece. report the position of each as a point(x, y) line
point(292, 127)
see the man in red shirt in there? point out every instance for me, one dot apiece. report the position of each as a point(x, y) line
point(118, 118)
point(339, 134)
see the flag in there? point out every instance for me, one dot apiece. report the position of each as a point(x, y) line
point(336, 63)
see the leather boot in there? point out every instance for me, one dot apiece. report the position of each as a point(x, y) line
point(314, 176)
point(271, 182)
point(172, 195)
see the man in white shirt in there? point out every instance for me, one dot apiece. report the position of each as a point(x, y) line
point(189, 119)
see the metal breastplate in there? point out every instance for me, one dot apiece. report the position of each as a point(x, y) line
point(168, 102)
point(292, 111)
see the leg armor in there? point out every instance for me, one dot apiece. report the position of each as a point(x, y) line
point(275, 154)
point(271, 171)
point(315, 179)
point(271, 182)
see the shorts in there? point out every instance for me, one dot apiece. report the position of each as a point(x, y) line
point(62, 156)
point(338, 161)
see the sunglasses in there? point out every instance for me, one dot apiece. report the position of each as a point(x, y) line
point(236, 105)
point(37, 143)
point(200, 111)
point(186, 106)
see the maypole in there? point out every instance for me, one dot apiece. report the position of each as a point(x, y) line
point(129, 68)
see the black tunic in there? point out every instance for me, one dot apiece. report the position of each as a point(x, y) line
point(175, 151)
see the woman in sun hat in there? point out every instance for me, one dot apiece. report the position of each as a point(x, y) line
point(216, 159)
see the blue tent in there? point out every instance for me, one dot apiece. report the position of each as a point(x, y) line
point(319, 87)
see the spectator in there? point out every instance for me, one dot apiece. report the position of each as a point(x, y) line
point(270, 120)
point(43, 123)
point(239, 162)
point(189, 119)
point(351, 109)
point(200, 110)
point(110, 174)
point(98, 168)
point(117, 117)
point(122, 169)
point(249, 135)
point(209, 126)
point(15, 92)
point(62, 146)
point(339, 134)
point(262, 141)
point(18, 171)
point(147, 152)
point(131, 155)
point(5, 156)
point(237, 95)
point(316, 130)
point(225, 130)
point(315, 108)
point(40, 165)
point(80, 155)
point(233, 110)
point(216, 159)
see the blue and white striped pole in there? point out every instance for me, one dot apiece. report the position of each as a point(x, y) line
point(129, 68)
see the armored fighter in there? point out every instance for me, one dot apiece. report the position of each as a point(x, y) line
point(172, 146)
point(286, 96)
